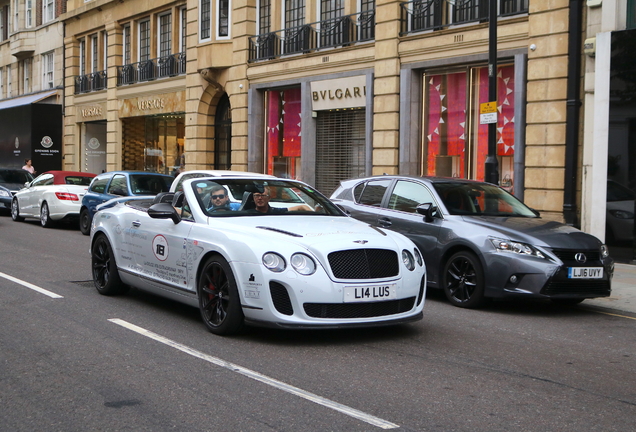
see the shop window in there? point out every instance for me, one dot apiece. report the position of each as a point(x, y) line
point(153, 143)
point(455, 144)
point(283, 134)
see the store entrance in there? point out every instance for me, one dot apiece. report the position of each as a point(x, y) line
point(153, 143)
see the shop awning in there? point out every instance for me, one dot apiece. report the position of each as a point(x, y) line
point(26, 100)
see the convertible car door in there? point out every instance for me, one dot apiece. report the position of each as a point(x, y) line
point(31, 206)
point(162, 249)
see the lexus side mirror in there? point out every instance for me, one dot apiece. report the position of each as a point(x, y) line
point(427, 210)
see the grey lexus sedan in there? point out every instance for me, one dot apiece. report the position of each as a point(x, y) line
point(480, 242)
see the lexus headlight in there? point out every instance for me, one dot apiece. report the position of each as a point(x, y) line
point(274, 262)
point(604, 251)
point(4, 193)
point(516, 247)
point(303, 264)
point(408, 260)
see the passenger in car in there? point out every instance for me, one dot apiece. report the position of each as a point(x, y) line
point(220, 200)
point(262, 204)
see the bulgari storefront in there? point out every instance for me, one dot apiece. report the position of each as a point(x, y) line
point(152, 132)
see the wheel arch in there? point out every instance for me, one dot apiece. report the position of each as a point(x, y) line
point(452, 250)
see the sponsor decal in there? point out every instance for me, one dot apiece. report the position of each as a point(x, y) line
point(160, 247)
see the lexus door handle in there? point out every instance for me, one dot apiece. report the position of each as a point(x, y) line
point(136, 224)
point(384, 222)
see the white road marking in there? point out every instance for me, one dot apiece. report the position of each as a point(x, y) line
point(31, 286)
point(372, 420)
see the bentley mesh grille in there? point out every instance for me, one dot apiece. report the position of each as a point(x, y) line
point(577, 286)
point(358, 310)
point(364, 263)
point(281, 299)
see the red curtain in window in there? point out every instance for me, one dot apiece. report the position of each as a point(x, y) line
point(283, 130)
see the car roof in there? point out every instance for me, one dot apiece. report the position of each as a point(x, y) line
point(429, 179)
point(59, 177)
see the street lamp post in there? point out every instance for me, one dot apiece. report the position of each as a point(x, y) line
point(492, 166)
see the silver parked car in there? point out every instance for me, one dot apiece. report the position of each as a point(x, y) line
point(480, 242)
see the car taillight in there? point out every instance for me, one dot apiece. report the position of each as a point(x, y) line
point(65, 196)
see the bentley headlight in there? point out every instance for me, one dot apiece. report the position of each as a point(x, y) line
point(274, 262)
point(418, 257)
point(516, 247)
point(303, 264)
point(604, 251)
point(408, 260)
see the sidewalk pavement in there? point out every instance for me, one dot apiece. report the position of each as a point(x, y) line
point(623, 297)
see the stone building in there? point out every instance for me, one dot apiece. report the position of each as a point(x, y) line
point(31, 77)
point(323, 91)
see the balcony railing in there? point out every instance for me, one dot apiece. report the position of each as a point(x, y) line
point(90, 82)
point(336, 32)
point(421, 15)
point(167, 66)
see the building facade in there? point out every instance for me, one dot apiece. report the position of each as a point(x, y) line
point(326, 90)
point(31, 78)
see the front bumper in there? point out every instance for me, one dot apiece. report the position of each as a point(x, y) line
point(511, 275)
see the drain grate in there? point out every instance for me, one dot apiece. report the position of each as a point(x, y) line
point(85, 284)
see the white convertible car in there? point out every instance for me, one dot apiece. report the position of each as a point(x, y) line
point(286, 257)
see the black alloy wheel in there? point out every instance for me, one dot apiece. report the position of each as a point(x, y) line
point(15, 211)
point(219, 301)
point(464, 280)
point(45, 216)
point(105, 275)
point(85, 222)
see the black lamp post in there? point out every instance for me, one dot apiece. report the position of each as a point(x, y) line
point(492, 165)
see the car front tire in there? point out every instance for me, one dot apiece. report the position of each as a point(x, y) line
point(45, 216)
point(85, 222)
point(105, 275)
point(15, 211)
point(219, 301)
point(464, 280)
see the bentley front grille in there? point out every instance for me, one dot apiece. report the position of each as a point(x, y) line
point(364, 263)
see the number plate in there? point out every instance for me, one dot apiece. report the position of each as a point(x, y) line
point(370, 293)
point(585, 272)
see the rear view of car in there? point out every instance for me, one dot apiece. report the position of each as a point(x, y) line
point(52, 197)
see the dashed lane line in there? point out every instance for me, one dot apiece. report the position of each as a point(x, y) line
point(31, 286)
point(372, 420)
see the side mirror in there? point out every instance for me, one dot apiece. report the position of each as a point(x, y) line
point(427, 210)
point(164, 211)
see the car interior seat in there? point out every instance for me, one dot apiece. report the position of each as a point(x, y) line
point(248, 201)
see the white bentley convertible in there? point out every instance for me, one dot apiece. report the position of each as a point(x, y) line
point(278, 254)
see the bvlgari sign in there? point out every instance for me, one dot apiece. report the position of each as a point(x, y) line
point(339, 93)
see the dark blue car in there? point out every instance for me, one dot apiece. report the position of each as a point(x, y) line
point(11, 181)
point(116, 184)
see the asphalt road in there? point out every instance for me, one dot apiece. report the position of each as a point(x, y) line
point(87, 362)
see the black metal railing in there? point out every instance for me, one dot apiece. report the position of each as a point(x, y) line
point(90, 82)
point(422, 15)
point(335, 32)
point(166, 66)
